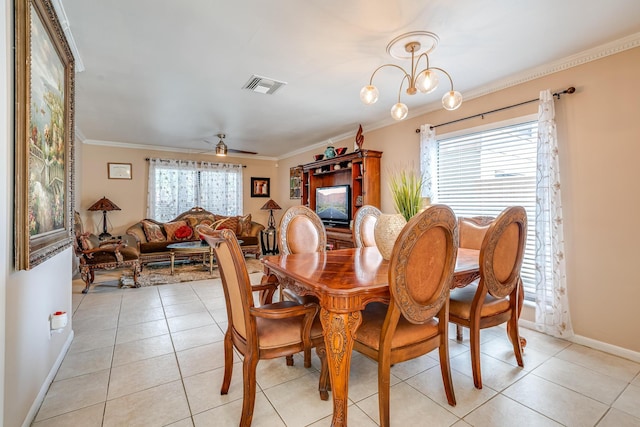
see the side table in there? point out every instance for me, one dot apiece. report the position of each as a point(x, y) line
point(269, 241)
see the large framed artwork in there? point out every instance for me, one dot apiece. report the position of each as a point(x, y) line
point(44, 106)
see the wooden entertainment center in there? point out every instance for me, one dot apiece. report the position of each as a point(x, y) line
point(360, 170)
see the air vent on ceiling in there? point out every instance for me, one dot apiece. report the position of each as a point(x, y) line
point(263, 85)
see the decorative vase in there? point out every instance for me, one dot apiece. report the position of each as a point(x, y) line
point(386, 231)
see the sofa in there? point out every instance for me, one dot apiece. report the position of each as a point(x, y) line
point(153, 237)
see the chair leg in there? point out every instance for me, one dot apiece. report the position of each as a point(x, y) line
point(514, 336)
point(289, 359)
point(249, 394)
point(85, 274)
point(459, 336)
point(228, 363)
point(323, 384)
point(445, 368)
point(307, 357)
point(475, 355)
point(384, 385)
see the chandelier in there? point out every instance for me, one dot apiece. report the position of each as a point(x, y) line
point(414, 45)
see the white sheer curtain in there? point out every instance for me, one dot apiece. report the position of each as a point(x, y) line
point(428, 157)
point(172, 188)
point(552, 302)
point(221, 188)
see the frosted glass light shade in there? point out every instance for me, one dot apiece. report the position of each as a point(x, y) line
point(369, 94)
point(427, 81)
point(452, 100)
point(399, 111)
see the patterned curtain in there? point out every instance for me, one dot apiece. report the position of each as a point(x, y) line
point(220, 189)
point(172, 188)
point(428, 156)
point(552, 302)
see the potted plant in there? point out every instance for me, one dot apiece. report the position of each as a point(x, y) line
point(406, 189)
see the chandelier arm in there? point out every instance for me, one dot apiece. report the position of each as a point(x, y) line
point(414, 67)
point(445, 73)
point(406, 75)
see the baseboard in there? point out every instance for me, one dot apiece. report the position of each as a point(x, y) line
point(33, 411)
point(595, 344)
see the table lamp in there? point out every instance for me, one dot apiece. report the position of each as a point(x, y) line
point(270, 206)
point(104, 205)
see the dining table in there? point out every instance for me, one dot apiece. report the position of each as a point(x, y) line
point(345, 281)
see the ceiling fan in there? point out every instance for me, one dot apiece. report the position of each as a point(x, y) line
point(222, 149)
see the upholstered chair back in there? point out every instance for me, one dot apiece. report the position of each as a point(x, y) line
point(363, 225)
point(502, 252)
point(301, 231)
point(472, 230)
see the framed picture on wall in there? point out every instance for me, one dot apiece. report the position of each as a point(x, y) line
point(260, 187)
point(295, 183)
point(43, 135)
point(119, 170)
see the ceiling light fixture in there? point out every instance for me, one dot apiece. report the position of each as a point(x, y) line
point(221, 147)
point(413, 45)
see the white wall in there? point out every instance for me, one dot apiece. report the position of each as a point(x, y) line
point(27, 350)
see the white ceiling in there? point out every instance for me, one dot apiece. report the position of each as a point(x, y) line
point(169, 73)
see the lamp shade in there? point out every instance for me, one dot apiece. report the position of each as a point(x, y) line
point(270, 205)
point(104, 204)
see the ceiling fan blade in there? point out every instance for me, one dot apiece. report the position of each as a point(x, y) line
point(233, 150)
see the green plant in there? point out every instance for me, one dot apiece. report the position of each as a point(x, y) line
point(406, 188)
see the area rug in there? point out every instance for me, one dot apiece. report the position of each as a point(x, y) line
point(160, 273)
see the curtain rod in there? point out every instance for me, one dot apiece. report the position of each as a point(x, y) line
point(556, 95)
point(198, 161)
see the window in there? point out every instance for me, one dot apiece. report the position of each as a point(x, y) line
point(177, 186)
point(481, 172)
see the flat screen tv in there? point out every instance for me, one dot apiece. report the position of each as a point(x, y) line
point(333, 205)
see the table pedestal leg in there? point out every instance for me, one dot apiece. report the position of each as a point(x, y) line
point(210, 260)
point(339, 329)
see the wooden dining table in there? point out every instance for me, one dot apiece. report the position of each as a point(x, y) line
point(345, 281)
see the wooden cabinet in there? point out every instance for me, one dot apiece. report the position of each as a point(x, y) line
point(360, 170)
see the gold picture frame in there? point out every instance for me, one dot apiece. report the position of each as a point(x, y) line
point(44, 111)
point(119, 171)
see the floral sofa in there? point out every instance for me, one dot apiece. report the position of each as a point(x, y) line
point(153, 237)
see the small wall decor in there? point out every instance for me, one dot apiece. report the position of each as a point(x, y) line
point(260, 187)
point(44, 112)
point(295, 183)
point(119, 170)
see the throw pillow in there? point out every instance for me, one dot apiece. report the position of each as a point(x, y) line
point(244, 225)
point(195, 223)
point(153, 232)
point(171, 227)
point(184, 233)
point(230, 222)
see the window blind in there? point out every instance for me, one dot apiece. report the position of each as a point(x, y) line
point(482, 173)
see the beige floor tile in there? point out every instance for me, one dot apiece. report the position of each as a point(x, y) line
point(90, 416)
point(196, 337)
point(189, 321)
point(134, 316)
point(229, 415)
point(406, 407)
point(629, 401)
point(203, 390)
point(543, 343)
point(185, 308)
point(355, 417)
point(636, 380)
point(73, 394)
point(616, 418)
point(201, 359)
point(87, 362)
point(303, 391)
point(273, 372)
point(468, 397)
point(592, 384)
point(141, 375)
point(158, 406)
point(599, 361)
point(142, 349)
point(363, 379)
point(141, 331)
point(187, 422)
point(556, 402)
point(495, 373)
point(413, 367)
point(502, 349)
point(179, 298)
point(461, 423)
point(90, 341)
point(504, 412)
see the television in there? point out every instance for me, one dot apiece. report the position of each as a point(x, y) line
point(333, 205)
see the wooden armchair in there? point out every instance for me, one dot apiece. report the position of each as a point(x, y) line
point(416, 320)
point(265, 332)
point(497, 297)
point(96, 255)
point(363, 225)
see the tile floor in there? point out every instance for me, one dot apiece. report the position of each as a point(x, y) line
point(153, 357)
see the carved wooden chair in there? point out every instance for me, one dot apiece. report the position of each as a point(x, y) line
point(94, 254)
point(301, 231)
point(363, 226)
point(265, 332)
point(416, 320)
point(497, 297)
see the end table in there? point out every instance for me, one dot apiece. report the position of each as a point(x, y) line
point(269, 241)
